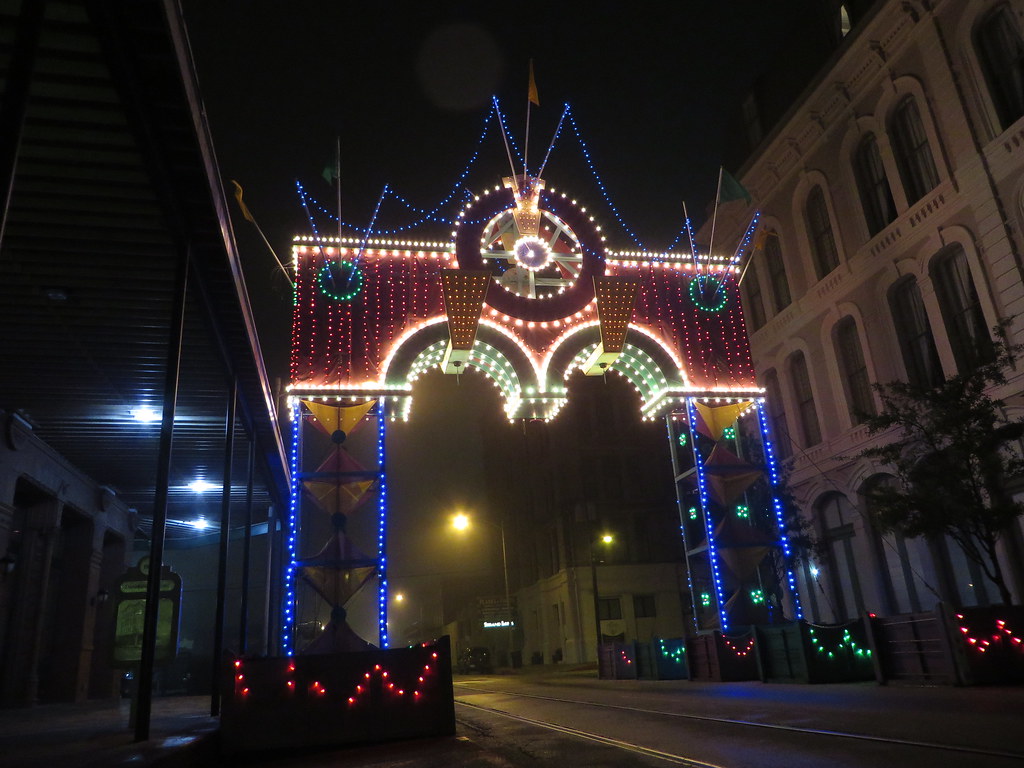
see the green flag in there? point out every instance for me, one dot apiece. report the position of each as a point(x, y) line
point(330, 173)
point(732, 189)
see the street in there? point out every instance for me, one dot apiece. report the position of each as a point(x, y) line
point(573, 719)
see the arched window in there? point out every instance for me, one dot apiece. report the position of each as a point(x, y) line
point(777, 416)
point(754, 303)
point(961, 310)
point(819, 228)
point(776, 270)
point(854, 370)
point(810, 430)
point(1001, 52)
point(913, 153)
point(902, 560)
point(837, 517)
point(873, 186)
point(914, 333)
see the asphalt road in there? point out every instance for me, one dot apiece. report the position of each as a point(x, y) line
point(567, 721)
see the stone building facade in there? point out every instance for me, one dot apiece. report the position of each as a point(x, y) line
point(892, 193)
point(66, 540)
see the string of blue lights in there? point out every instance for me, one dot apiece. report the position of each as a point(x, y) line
point(437, 213)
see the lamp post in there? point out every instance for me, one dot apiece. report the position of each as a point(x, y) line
point(461, 522)
point(606, 538)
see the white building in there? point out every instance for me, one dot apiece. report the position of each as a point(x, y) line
point(892, 193)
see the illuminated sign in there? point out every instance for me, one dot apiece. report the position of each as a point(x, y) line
point(498, 624)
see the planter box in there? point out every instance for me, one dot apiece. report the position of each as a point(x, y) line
point(914, 648)
point(670, 658)
point(722, 658)
point(659, 659)
point(990, 644)
point(300, 702)
point(617, 661)
point(805, 653)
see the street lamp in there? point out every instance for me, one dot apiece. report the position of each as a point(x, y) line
point(461, 522)
point(606, 539)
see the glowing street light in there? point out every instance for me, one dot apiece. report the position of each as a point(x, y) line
point(605, 539)
point(461, 522)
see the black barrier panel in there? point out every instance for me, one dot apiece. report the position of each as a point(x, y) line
point(302, 702)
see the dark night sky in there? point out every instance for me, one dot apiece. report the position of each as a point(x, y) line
point(407, 87)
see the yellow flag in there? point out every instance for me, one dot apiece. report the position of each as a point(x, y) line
point(238, 196)
point(532, 92)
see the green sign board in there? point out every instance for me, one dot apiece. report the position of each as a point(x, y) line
point(130, 613)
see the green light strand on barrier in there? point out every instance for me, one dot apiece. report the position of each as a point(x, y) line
point(847, 645)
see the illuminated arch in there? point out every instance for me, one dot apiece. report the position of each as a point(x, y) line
point(644, 362)
point(497, 353)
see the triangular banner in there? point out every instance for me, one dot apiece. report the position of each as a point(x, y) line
point(333, 418)
point(731, 532)
point(742, 561)
point(336, 586)
point(727, 488)
point(722, 461)
point(338, 497)
point(341, 461)
point(715, 418)
point(339, 551)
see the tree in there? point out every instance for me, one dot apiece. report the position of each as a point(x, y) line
point(952, 452)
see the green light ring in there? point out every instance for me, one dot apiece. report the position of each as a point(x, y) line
point(697, 283)
point(331, 268)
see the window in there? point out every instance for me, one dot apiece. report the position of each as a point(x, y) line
point(914, 333)
point(855, 372)
point(1001, 52)
point(644, 607)
point(777, 415)
point(913, 154)
point(873, 186)
point(776, 270)
point(839, 540)
point(961, 309)
point(819, 227)
point(755, 301)
point(609, 608)
point(809, 427)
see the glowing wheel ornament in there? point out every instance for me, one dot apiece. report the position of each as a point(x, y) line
point(340, 280)
point(532, 253)
point(706, 293)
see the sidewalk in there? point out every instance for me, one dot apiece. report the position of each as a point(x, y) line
point(97, 734)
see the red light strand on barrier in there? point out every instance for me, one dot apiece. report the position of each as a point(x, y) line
point(999, 637)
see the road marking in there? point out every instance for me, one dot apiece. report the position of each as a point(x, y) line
point(625, 745)
point(769, 726)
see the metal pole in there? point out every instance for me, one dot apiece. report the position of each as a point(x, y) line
point(243, 619)
point(597, 615)
point(508, 602)
point(163, 471)
point(222, 557)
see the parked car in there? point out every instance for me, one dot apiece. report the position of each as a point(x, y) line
point(476, 659)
